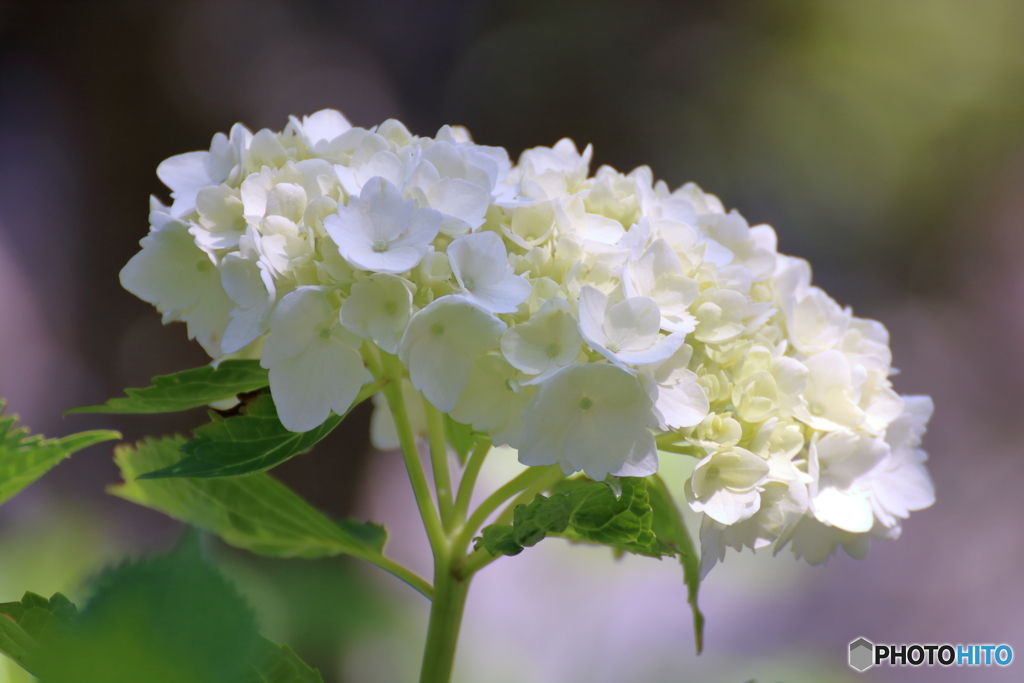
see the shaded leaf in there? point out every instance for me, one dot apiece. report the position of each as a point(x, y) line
point(669, 526)
point(255, 512)
point(17, 644)
point(583, 511)
point(253, 441)
point(23, 458)
point(159, 620)
point(188, 389)
point(597, 515)
point(371, 535)
point(29, 626)
point(498, 539)
point(533, 522)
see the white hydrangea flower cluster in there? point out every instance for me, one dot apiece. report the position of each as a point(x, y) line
point(587, 321)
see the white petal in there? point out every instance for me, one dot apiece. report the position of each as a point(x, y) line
point(850, 512)
point(684, 404)
point(592, 306)
point(325, 124)
point(590, 416)
point(164, 273)
point(378, 309)
point(325, 377)
point(461, 200)
point(185, 174)
point(441, 343)
point(501, 297)
point(299, 318)
point(547, 341)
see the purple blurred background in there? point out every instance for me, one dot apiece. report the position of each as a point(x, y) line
point(884, 142)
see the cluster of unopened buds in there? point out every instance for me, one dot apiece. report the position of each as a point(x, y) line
point(586, 321)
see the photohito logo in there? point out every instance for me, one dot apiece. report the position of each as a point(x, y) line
point(865, 654)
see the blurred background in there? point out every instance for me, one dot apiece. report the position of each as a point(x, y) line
point(883, 140)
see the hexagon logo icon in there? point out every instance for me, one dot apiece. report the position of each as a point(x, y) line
point(862, 654)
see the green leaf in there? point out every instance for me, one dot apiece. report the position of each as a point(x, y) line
point(254, 512)
point(27, 627)
point(669, 526)
point(158, 620)
point(498, 539)
point(23, 459)
point(460, 438)
point(533, 522)
point(188, 389)
point(583, 511)
point(253, 441)
point(596, 515)
point(371, 535)
point(17, 644)
point(278, 664)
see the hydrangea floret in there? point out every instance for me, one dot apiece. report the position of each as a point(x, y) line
point(593, 323)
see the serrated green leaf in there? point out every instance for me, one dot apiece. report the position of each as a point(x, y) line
point(253, 441)
point(29, 626)
point(668, 525)
point(460, 438)
point(23, 458)
point(278, 664)
point(158, 620)
point(188, 389)
point(582, 511)
point(498, 539)
point(171, 618)
point(543, 516)
point(597, 515)
point(254, 512)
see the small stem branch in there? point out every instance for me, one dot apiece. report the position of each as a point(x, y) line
point(402, 572)
point(469, 477)
point(668, 438)
point(369, 354)
point(439, 462)
point(368, 390)
point(392, 369)
point(681, 450)
point(495, 500)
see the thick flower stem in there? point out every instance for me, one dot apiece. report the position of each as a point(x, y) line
point(439, 462)
point(445, 622)
point(392, 369)
point(469, 477)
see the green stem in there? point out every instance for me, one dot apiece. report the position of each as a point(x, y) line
point(469, 477)
point(369, 354)
point(392, 369)
point(439, 461)
point(681, 450)
point(477, 560)
point(666, 438)
point(445, 620)
point(495, 500)
point(402, 572)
